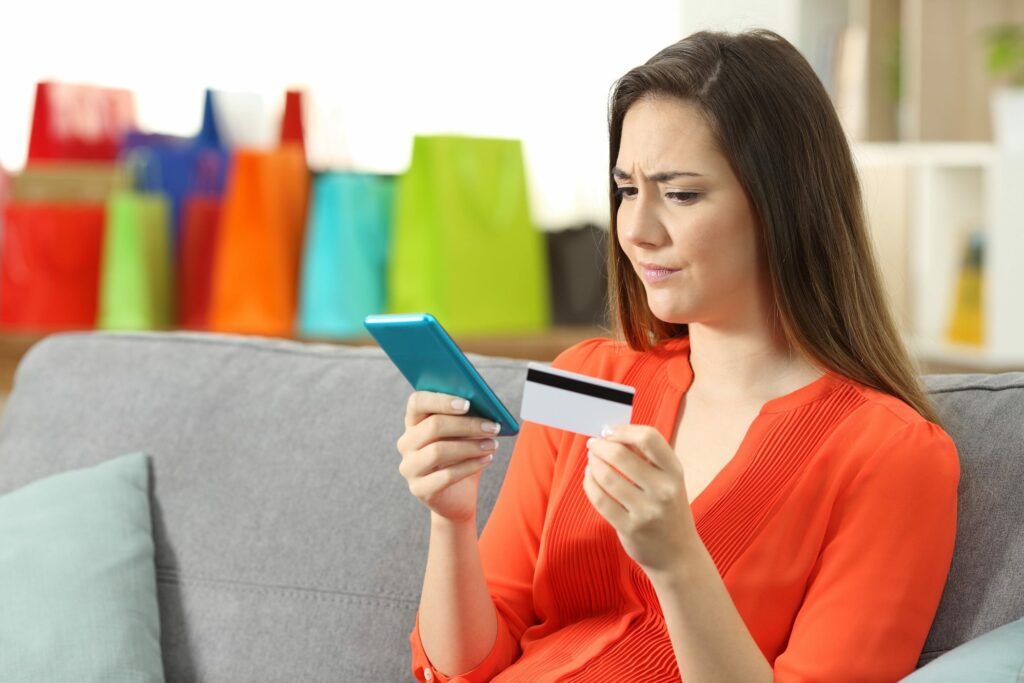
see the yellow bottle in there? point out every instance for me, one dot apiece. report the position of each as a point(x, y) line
point(966, 324)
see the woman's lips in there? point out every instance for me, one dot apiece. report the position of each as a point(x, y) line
point(653, 275)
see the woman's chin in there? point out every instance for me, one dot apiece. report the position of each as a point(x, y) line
point(672, 317)
point(671, 313)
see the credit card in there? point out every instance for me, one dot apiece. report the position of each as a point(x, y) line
point(574, 402)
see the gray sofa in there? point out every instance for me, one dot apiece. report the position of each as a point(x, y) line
point(288, 547)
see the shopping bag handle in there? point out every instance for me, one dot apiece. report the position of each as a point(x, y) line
point(135, 164)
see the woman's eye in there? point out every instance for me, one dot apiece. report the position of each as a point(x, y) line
point(681, 197)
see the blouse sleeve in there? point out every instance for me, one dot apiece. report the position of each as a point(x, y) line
point(510, 542)
point(873, 593)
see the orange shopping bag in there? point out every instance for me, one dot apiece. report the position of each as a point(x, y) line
point(256, 263)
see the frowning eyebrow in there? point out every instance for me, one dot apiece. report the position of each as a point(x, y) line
point(656, 177)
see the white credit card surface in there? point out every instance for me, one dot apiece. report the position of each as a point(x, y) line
point(574, 402)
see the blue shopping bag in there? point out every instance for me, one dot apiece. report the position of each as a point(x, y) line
point(167, 172)
point(344, 265)
point(177, 163)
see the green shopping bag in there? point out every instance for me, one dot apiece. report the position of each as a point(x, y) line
point(135, 273)
point(464, 247)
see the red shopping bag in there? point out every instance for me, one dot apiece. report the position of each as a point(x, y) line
point(199, 228)
point(79, 122)
point(5, 195)
point(292, 129)
point(5, 186)
point(49, 266)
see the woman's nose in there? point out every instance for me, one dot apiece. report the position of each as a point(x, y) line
point(639, 222)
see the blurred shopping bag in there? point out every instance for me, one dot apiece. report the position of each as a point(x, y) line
point(78, 122)
point(208, 167)
point(167, 170)
point(5, 196)
point(464, 246)
point(292, 127)
point(209, 130)
point(200, 224)
point(344, 266)
point(65, 197)
point(578, 272)
point(176, 161)
point(135, 276)
point(81, 182)
point(49, 266)
point(256, 260)
point(254, 282)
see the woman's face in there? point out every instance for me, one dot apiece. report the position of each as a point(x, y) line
point(683, 209)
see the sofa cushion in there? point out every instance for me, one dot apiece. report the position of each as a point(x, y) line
point(288, 546)
point(287, 543)
point(996, 657)
point(985, 416)
point(77, 586)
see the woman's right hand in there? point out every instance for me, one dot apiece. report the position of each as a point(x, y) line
point(443, 453)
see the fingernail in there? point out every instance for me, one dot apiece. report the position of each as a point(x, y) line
point(492, 427)
point(489, 444)
point(590, 443)
point(460, 404)
point(607, 431)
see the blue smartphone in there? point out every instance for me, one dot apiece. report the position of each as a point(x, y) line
point(431, 361)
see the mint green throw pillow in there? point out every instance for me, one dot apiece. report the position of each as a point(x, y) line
point(77, 578)
point(994, 657)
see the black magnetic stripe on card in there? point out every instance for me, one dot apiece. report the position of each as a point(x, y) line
point(576, 386)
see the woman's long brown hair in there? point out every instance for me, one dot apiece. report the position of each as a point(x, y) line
point(773, 120)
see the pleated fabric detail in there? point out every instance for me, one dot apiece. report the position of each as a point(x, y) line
point(731, 522)
point(602, 597)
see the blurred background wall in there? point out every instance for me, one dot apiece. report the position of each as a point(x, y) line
point(499, 98)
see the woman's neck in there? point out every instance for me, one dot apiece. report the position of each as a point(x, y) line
point(745, 363)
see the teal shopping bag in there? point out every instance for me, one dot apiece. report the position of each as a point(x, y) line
point(343, 274)
point(464, 246)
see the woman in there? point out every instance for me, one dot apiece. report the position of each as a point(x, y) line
point(783, 505)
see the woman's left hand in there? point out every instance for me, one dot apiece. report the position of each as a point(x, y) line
point(649, 506)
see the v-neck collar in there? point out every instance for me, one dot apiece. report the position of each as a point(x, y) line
point(679, 373)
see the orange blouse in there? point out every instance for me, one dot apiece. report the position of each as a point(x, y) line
point(832, 528)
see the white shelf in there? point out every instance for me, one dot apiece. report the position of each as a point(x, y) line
point(945, 154)
point(927, 193)
point(970, 358)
